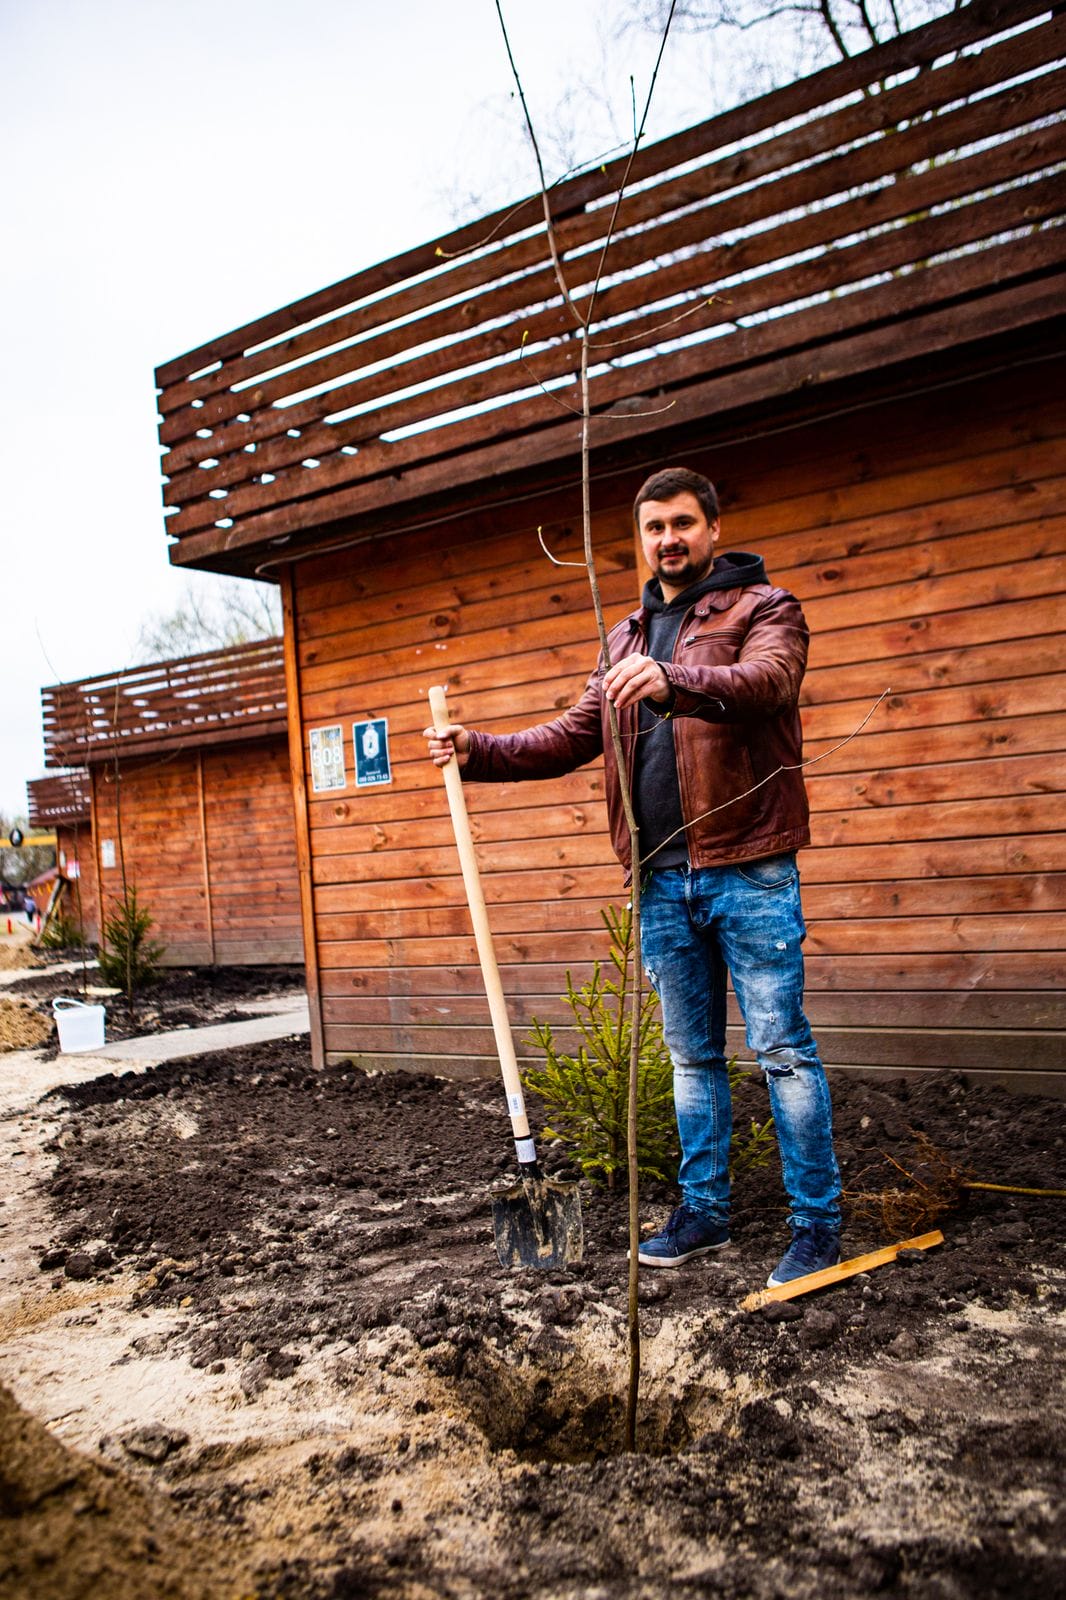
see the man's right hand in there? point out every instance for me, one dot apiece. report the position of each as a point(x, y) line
point(453, 739)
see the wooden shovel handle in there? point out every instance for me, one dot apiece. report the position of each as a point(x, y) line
point(490, 972)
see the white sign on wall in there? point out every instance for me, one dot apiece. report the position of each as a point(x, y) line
point(327, 759)
point(107, 852)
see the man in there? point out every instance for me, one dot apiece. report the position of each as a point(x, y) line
point(705, 679)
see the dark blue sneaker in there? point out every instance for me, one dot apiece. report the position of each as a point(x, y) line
point(811, 1250)
point(687, 1234)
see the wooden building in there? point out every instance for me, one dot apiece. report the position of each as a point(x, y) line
point(189, 798)
point(63, 801)
point(843, 301)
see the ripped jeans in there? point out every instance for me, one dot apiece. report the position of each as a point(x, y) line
point(747, 918)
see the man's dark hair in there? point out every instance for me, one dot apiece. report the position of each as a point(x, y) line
point(672, 481)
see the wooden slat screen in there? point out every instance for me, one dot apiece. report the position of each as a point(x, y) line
point(220, 695)
point(63, 797)
point(889, 190)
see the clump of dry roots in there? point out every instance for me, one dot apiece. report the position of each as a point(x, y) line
point(931, 1186)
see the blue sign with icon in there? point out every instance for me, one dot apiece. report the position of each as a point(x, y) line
point(371, 743)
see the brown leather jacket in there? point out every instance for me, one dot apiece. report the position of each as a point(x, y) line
point(736, 672)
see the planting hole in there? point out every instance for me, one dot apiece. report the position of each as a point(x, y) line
point(566, 1416)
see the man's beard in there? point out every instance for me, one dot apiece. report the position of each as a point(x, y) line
point(685, 575)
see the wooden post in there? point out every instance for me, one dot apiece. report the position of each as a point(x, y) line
point(95, 841)
point(299, 806)
point(203, 854)
point(643, 570)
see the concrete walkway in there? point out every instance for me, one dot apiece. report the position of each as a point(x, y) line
point(288, 1016)
point(24, 1077)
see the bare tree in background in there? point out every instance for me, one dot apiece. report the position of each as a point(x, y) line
point(722, 53)
point(758, 45)
point(583, 117)
point(230, 611)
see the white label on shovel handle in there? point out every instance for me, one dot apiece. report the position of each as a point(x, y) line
point(517, 1104)
point(526, 1151)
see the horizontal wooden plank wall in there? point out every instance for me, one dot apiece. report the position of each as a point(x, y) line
point(251, 854)
point(153, 810)
point(219, 877)
point(925, 537)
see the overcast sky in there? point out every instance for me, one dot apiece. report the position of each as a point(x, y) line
point(172, 171)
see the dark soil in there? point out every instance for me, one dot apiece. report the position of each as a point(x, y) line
point(181, 997)
point(899, 1435)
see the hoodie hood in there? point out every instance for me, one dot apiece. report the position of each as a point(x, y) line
point(733, 569)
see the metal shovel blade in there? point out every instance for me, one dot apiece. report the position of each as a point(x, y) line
point(537, 1223)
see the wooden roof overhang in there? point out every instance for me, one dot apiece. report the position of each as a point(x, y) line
point(901, 206)
point(60, 800)
point(217, 697)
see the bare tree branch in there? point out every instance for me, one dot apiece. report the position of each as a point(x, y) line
point(543, 387)
point(649, 333)
point(555, 559)
point(629, 164)
point(832, 28)
point(795, 766)
point(548, 221)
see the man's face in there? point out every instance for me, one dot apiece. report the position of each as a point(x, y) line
point(678, 541)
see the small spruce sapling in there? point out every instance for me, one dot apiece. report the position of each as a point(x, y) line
point(587, 1094)
point(128, 959)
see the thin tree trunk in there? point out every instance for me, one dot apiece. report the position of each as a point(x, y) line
point(583, 326)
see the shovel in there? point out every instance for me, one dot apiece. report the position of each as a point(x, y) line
point(537, 1223)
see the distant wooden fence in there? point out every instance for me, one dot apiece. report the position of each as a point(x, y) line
point(217, 696)
point(901, 200)
point(59, 799)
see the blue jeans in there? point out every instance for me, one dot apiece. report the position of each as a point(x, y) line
point(747, 918)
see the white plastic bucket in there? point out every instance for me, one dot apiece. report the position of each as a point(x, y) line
point(81, 1027)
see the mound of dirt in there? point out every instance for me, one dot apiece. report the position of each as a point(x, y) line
point(73, 1529)
point(22, 1027)
point(314, 1249)
point(16, 955)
